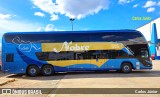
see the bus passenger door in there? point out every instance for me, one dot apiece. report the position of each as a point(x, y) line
point(83, 60)
point(110, 60)
point(97, 60)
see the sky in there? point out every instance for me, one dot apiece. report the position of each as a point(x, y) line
point(54, 15)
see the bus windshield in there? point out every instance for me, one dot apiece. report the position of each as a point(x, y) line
point(144, 53)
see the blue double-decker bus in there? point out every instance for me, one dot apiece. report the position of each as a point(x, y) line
point(35, 53)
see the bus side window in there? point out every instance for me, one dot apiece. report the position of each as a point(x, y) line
point(108, 54)
point(42, 55)
point(79, 56)
point(9, 57)
point(114, 54)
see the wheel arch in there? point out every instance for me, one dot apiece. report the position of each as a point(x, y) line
point(43, 68)
point(31, 65)
point(127, 62)
point(47, 64)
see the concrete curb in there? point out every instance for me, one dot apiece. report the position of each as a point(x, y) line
point(6, 82)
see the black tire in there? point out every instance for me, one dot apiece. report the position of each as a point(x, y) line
point(126, 68)
point(47, 70)
point(33, 70)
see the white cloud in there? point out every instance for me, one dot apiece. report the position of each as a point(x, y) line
point(136, 5)
point(151, 9)
point(158, 3)
point(45, 5)
point(17, 26)
point(71, 8)
point(5, 16)
point(39, 29)
point(54, 17)
point(81, 8)
point(50, 27)
point(149, 4)
point(7, 24)
point(124, 1)
point(39, 14)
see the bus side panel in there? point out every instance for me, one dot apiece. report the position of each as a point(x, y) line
point(2, 53)
point(115, 64)
point(21, 59)
point(18, 65)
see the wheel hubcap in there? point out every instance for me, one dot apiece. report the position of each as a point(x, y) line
point(126, 68)
point(33, 71)
point(48, 71)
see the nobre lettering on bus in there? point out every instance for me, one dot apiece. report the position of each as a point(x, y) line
point(70, 47)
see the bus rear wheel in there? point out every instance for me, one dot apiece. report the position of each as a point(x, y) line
point(126, 68)
point(33, 70)
point(47, 70)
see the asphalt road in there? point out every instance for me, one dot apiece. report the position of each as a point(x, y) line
point(136, 79)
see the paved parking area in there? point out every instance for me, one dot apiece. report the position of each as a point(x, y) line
point(136, 79)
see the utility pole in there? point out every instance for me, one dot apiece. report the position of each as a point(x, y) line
point(72, 19)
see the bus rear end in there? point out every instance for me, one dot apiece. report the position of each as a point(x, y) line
point(11, 62)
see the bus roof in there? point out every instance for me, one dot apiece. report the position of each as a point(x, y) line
point(86, 31)
point(91, 35)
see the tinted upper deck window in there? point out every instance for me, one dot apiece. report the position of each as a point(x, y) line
point(133, 37)
point(115, 37)
point(45, 38)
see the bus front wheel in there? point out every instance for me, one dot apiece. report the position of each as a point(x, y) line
point(47, 70)
point(33, 70)
point(126, 68)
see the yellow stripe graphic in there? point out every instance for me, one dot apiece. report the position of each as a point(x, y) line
point(65, 63)
point(80, 46)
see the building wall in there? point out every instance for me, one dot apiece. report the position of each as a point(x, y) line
point(146, 30)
